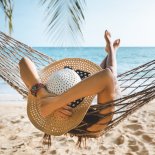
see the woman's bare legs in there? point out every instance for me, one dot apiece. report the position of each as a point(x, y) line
point(103, 63)
point(108, 62)
point(111, 62)
point(107, 49)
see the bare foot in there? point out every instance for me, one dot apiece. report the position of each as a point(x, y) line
point(107, 37)
point(116, 44)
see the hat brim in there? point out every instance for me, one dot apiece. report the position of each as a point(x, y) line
point(52, 124)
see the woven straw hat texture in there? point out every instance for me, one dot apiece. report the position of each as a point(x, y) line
point(52, 124)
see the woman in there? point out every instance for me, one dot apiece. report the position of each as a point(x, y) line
point(103, 84)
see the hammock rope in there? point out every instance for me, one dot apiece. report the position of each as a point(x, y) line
point(11, 52)
point(137, 85)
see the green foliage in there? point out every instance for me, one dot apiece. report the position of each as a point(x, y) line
point(7, 7)
point(65, 19)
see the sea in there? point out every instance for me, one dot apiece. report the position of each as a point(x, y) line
point(127, 59)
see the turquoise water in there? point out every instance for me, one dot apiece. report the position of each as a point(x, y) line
point(127, 58)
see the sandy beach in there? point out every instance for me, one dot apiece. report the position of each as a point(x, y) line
point(134, 136)
point(118, 36)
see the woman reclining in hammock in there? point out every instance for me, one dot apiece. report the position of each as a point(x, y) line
point(103, 84)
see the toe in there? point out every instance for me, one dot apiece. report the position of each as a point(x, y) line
point(116, 43)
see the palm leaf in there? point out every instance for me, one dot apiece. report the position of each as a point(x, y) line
point(65, 19)
point(7, 7)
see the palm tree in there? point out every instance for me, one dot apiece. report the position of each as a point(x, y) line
point(65, 19)
point(7, 7)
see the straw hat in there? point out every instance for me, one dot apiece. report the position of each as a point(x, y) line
point(58, 80)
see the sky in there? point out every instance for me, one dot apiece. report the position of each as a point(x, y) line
point(133, 21)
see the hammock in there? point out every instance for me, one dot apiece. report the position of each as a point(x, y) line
point(137, 85)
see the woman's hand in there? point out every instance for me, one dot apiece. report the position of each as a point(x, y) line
point(64, 112)
point(48, 105)
point(43, 93)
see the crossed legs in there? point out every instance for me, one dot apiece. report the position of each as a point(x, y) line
point(109, 62)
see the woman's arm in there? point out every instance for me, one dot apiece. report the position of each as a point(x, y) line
point(30, 77)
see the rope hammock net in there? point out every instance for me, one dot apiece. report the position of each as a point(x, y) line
point(137, 85)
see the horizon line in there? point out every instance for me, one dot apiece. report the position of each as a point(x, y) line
point(91, 46)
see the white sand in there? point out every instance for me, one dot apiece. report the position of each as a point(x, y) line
point(134, 136)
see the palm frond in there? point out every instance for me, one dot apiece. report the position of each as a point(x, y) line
point(65, 19)
point(7, 7)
